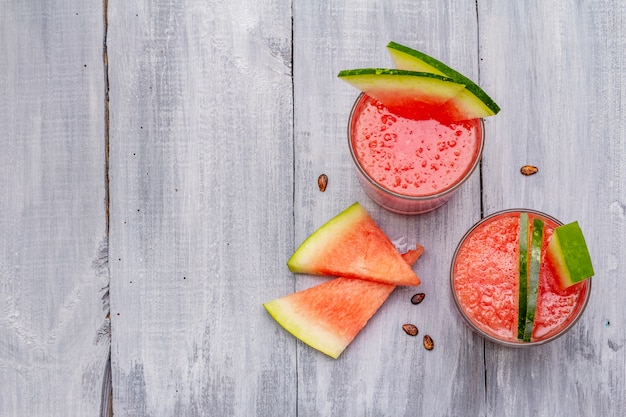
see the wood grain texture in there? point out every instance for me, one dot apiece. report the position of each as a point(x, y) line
point(559, 72)
point(383, 371)
point(222, 116)
point(201, 207)
point(54, 334)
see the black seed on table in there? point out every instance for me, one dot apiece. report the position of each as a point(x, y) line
point(529, 170)
point(428, 343)
point(322, 182)
point(418, 298)
point(410, 329)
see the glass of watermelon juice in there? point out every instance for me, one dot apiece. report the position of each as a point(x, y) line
point(411, 166)
point(485, 283)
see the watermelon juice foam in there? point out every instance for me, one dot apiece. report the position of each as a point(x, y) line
point(411, 166)
point(485, 283)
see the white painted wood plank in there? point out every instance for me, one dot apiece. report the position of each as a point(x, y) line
point(201, 207)
point(559, 69)
point(54, 340)
point(383, 372)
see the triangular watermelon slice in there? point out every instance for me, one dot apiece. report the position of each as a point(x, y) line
point(411, 94)
point(569, 256)
point(471, 102)
point(352, 245)
point(328, 316)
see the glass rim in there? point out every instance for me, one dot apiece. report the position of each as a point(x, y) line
point(449, 190)
point(582, 305)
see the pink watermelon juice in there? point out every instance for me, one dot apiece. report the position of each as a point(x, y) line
point(407, 165)
point(485, 283)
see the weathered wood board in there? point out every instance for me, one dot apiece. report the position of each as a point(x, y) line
point(201, 207)
point(384, 371)
point(54, 334)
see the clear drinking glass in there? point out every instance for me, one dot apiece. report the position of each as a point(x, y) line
point(410, 177)
point(482, 281)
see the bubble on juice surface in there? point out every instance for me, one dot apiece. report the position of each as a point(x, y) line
point(389, 140)
point(388, 119)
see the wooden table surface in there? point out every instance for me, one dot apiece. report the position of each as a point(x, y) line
point(159, 164)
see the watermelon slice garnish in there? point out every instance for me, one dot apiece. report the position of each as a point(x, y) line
point(524, 244)
point(352, 245)
point(328, 316)
point(534, 268)
point(471, 103)
point(568, 253)
point(417, 95)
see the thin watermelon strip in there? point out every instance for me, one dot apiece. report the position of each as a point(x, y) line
point(351, 245)
point(533, 279)
point(523, 275)
point(328, 316)
point(473, 101)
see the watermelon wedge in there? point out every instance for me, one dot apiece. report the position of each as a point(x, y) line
point(471, 103)
point(411, 94)
point(328, 317)
point(352, 245)
point(568, 253)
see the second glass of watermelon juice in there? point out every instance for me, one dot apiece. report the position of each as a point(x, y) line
point(411, 166)
point(484, 278)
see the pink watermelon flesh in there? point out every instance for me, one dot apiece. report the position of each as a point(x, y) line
point(352, 245)
point(328, 317)
point(411, 256)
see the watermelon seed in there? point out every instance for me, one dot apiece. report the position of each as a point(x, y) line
point(418, 298)
point(322, 182)
point(529, 170)
point(428, 343)
point(410, 329)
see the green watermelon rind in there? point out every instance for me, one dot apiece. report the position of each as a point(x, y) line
point(523, 275)
point(420, 61)
point(533, 277)
point(569, 255)
point(395, 72)
point(396, 87)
